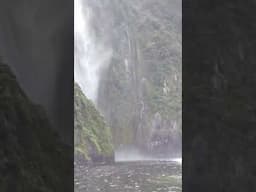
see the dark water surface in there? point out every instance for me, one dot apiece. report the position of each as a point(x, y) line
point(129, 177)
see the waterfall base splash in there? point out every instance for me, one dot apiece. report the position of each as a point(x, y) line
point(132, 154)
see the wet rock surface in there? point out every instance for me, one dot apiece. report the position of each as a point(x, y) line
point(129, 177)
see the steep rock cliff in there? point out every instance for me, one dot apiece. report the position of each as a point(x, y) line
point(140, 88)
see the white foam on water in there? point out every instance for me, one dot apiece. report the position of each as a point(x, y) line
point(135, 155)
point(178, 160)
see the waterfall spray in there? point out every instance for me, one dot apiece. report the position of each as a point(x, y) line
point(91, 55)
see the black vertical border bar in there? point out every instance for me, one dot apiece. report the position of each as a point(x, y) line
point(219, 108)
point(58, 16)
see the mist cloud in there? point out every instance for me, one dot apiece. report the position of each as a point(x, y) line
point(91, 55)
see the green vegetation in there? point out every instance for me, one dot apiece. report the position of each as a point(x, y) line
point(32, 157)
point(92, 136)
point(144, 75)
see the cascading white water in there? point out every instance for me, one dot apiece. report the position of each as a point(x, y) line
point(91, 56)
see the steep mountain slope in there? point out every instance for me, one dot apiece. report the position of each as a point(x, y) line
point(32, 158)
point(92, 136)
point(140, 89)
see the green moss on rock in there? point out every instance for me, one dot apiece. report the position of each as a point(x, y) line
point(92, 136)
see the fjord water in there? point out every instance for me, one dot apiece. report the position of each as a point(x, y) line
point(130, 177)
point(128, 63)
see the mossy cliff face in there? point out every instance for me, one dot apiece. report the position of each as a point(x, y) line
point(31, 156)
point(92, 136)
point(140, 89)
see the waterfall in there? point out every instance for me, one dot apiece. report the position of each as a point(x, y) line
point(91, 55)
point(128, 62)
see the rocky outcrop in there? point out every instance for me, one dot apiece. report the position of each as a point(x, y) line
point(92, 136)
point(32, 157)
